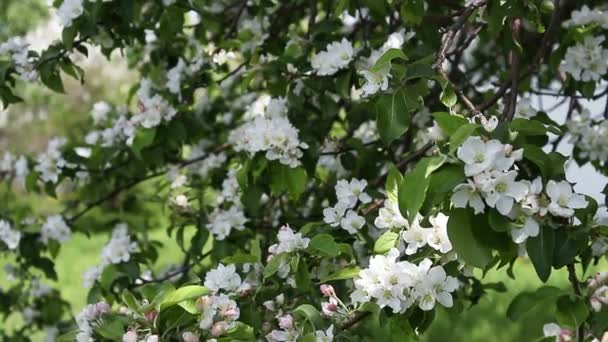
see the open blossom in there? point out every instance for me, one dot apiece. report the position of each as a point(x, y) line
point(589, 135)
point(55, 228)
point(438, 237)
point(8, 235)
point(479, 156)
point(502, 191)
point(289, 241)
point(563, 200)
point(337, 56)
point(219, 313)
point(586, 61)
point(223, 278)
point(153, 109)
point(100, 112)
point(587, 16)
point(400, 284)
point(350, 192)
point(389, 216)
point(375, 80)
point(352, 222)
point(468, 194)
point(333, 215)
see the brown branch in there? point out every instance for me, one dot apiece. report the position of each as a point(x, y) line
point(509, 111)
point(356, 318)
point(577, 290)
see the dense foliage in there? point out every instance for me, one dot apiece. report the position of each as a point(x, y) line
point(331, 170)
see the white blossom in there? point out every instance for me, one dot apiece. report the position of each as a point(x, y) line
point(17, 48)
point(325, 336)
point(289, 241)
point(337, 56)
point(222, 278)
point(50, 162)
point(468, 194)
point(221, 222)
point(55, 228)
point(563, 200)
point(479, 156)
point(120, 247)
point(352, 222)
point(68, 11)
point(9, 236)
point(586, 61)
point(389, 216)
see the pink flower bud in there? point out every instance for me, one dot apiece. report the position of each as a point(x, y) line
point(188, 336)
point(329, 308)
point(565, 335)
point(129, 336)
point(218, 328)
point(286, 322)
point(327, 290)
point(151, 315)
point(102, 308)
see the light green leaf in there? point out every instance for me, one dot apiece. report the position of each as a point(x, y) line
point(414, 185)
point(393, 180)
point(324, 244)
point(182, 294)
point(449, 123)
point(144, 137)
point(385, 242)
point(345, 273)
point(387, 57)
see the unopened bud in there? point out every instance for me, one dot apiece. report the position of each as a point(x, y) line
point(188, 336)
point(327, 290)
point(151, 315)
point(102, 308)
point(329, 308)
point(203, 302)
point(218, 328)
point(285, 322)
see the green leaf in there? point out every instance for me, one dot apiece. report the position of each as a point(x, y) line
point(393, 180)
point(499, 222)
point(539, 158)
point(182, 294)
point(567, 248)
point(528, 127)
point(448, 96)
point(345, 273)
point(540, 250)
point(414, 185)
point(111, 328)
point(464, 242)
point(240, 258)
point(385, 242)
point(412, 11)
point(571, 311)
point(273, 266)
point(144, 137)
point(449, 123)
point(68, 35)
point(51, 78)
point(324, 244)
point(392, 116)
point(387, 57)
point(239, 332)
point(461, 134)
point(310, 314)
point(285, 178)
point(528, 301)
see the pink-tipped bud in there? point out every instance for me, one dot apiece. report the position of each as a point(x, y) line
point(129, 336)
point(285, 322)
point(329, 308)
point(218, 328)
point(188, 336)
point(565, 335)
point(327, 290)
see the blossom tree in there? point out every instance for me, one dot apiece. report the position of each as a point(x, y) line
point(330, 170)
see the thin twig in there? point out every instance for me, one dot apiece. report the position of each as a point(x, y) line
point(576, 287)
point(356, 318)
point(509, 111)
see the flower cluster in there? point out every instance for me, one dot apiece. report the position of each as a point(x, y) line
point(598, 287)
point(17, 48)
point(55, 228)
point(222, 221)
point(274, 135)
point(589, 136)
point(560, 334)
point(336, 56)
point(586, 61)
point(288, 242)
point(587, 16)
point(219, 312)
point(88, 319)
point(348, 195)
point(8, 235)
point(153, 109)
point(401, 284)
point(116, 251)
point(489, 164)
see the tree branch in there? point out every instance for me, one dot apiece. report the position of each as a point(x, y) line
point(356, 318)
point(577, 290)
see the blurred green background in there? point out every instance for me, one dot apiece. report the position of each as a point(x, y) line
point(25, 128)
